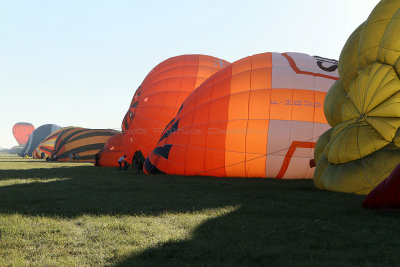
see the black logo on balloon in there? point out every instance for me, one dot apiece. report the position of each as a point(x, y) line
point(327, 64)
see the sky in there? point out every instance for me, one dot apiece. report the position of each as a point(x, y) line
point(79, 62)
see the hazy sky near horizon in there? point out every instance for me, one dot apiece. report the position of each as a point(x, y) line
point(78, 63)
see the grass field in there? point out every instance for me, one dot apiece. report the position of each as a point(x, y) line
point(66, 214)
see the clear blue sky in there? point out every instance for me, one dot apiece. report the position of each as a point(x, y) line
point(79, 62)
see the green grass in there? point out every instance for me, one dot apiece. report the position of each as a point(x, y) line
point(71, 214)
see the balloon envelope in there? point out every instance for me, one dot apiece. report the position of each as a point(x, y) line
point(112, 151)
point(38, 136)
point(46, 147)
point(258, 117)
point(81, 141)
point(363, 108)
point(386, 193)
point(159, 97)
point(22, 131)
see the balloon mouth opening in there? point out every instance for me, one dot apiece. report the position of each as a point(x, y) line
point(362, 117)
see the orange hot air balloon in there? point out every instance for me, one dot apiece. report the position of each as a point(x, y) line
point(258, 117)
point(22, 131)
point(84, 142)
point(159, 97)
point(112, 151)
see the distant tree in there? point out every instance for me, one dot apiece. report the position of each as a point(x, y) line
point(15, 150)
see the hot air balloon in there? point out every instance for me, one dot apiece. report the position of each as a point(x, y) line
point(386, 193)
point(363, 107)
point(47, 145)
point(258, 117)
point(112, 151)
point(22, 131)
point(159, 97)
point(37, 137)
point(80, 141)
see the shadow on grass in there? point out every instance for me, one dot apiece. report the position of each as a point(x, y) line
point(286, 224)
point(24, 161)
point(93, 190)
point(278, 222)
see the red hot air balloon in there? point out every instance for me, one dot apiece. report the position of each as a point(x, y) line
point(22, 131)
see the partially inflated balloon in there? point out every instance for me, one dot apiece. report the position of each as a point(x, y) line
point(22, 131)
point(38, 136)
point(112, 151)
point(258, 117)
point(159, 97)
point(81, 141)
point(46, 147)
point(363, 107)
point(386, 194)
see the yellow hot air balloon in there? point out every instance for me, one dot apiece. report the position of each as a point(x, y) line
point(363, 107)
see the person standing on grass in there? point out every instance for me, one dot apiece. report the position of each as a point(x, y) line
point(96, 159)
point(138, 161)
point(122, 160)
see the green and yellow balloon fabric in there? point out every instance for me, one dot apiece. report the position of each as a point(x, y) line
point(363, 108)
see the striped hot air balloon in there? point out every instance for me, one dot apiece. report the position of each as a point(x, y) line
point(47, 145)
point(258, 117)
point(81, 141)
point(37, 137)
